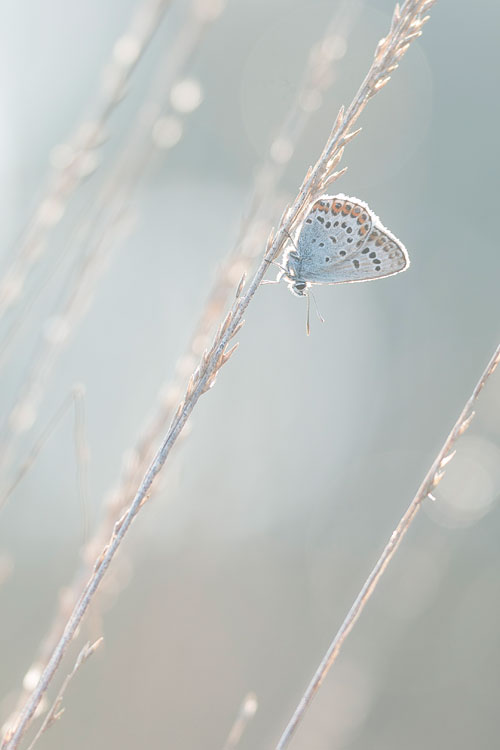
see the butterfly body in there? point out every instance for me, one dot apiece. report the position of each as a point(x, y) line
point(340, 241)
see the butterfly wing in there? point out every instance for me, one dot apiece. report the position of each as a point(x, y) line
point(334, 228)
point(329, 258)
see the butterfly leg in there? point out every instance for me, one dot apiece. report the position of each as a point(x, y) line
point(274, 263)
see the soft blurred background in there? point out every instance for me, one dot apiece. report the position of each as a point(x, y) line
point(298, 464)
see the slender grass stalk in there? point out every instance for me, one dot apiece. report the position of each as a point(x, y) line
point(74, 400)
point(431, 480)
point(238, 261)
point(102, 227)
point(75, 159)
point(56, 710)
point(317, 78)
point(68, 402)
point(406, 26)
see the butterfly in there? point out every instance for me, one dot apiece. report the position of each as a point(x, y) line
point(341, 240)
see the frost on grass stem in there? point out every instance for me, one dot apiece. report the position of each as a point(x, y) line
point(406, 25)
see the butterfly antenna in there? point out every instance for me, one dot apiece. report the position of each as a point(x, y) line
point(316, 306)
point(308, 327)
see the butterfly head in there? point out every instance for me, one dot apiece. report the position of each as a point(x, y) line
point(298, 287)
point(292, 275)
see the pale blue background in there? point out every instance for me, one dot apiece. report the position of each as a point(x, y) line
point(304, 456)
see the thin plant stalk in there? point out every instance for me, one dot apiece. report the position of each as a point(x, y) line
point(317, 78)
point(431, 480)
point(74, 160)
point(99, 234)
point(406, 26)
point(239, 260)
point(56, 710)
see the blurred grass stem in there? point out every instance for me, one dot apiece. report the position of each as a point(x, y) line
point(405, 27)
point(432, 479)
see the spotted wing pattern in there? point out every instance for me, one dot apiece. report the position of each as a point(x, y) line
point(342, 240)
point(334, 228)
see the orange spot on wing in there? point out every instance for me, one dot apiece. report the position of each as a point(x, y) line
point(320, 206)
